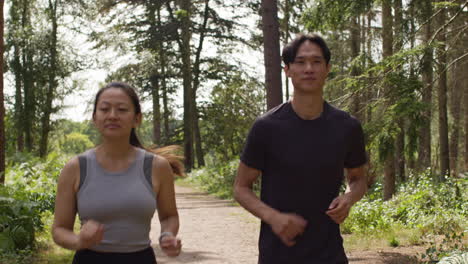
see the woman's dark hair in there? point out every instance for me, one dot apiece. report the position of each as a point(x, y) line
point(290, 50)
point(168, 152)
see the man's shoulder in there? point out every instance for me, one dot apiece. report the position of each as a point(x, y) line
point(276, 113)
point(336, 114)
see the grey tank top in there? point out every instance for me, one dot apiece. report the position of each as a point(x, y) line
point(123, 201)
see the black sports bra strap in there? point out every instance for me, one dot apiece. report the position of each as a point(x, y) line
point(148, 167)
point(82, 161)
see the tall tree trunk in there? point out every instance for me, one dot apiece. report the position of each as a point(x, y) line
point(387, 42)
point(198, 142)
point(29, 100)
point(424, 152)
point(368, 95)
point(457, 77)
point(464, 82)
point(412, 140)
point(355, 43)
point(52, 85)
point(457, 94)
point(412, 38)
point(270, 28)
point(362, 25)
point(153, 8)
point(442, 98)
point(399, 28)
point(399, 31)
point(28, 83)
point(156, 109)
point(400, 152)
point(368, 62)
point(389, 178)
point(2, 105)
point(465, 105)
point(387, 28)
point(187, 83)
point(196, 84)
point(166, 110)
point(18, 112)
point(163, 65)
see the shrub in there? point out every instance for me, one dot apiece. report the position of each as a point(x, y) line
point(76, 143)
point(218, 180)
point(28, 193)
point(19, 220)
point(432, 207)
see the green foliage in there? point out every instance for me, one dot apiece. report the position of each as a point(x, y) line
point(28, 193)
point(41, 62)
point(63, 130)
point(367, 216)
point(10, 132)
point(19, 256)
point(19, 219)
point(394, 242)
point(421, 203)
point(217, 179)
point(401, 102)
point(394, 100)
point(235, 103)
point(76, 143)
point(37, 179)
point(325, 15)
point(180, 14)
point(65, 127)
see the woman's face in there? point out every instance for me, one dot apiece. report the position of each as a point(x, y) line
point(115, 114)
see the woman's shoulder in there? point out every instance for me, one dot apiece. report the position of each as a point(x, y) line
point(70, 174)
point(72, 164)
point(160, 162)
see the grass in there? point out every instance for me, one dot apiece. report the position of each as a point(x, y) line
point(46, 252)
point(185, 182)
point(394, 238)
point(49, 252)
point(54, 255)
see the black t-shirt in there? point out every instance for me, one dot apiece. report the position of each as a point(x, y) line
point(302, 164)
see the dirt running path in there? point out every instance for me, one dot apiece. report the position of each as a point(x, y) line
point(214, 231)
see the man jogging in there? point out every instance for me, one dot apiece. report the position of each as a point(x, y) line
point(303, 149)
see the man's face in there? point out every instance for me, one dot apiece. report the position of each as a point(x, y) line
point(309, 69)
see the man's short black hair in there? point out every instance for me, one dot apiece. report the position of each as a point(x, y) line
point(290, 50)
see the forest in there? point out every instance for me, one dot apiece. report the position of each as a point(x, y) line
point(206, 69)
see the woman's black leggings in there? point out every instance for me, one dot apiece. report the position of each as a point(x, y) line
point(87, 256)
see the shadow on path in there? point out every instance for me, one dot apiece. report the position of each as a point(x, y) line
point(383, 257)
